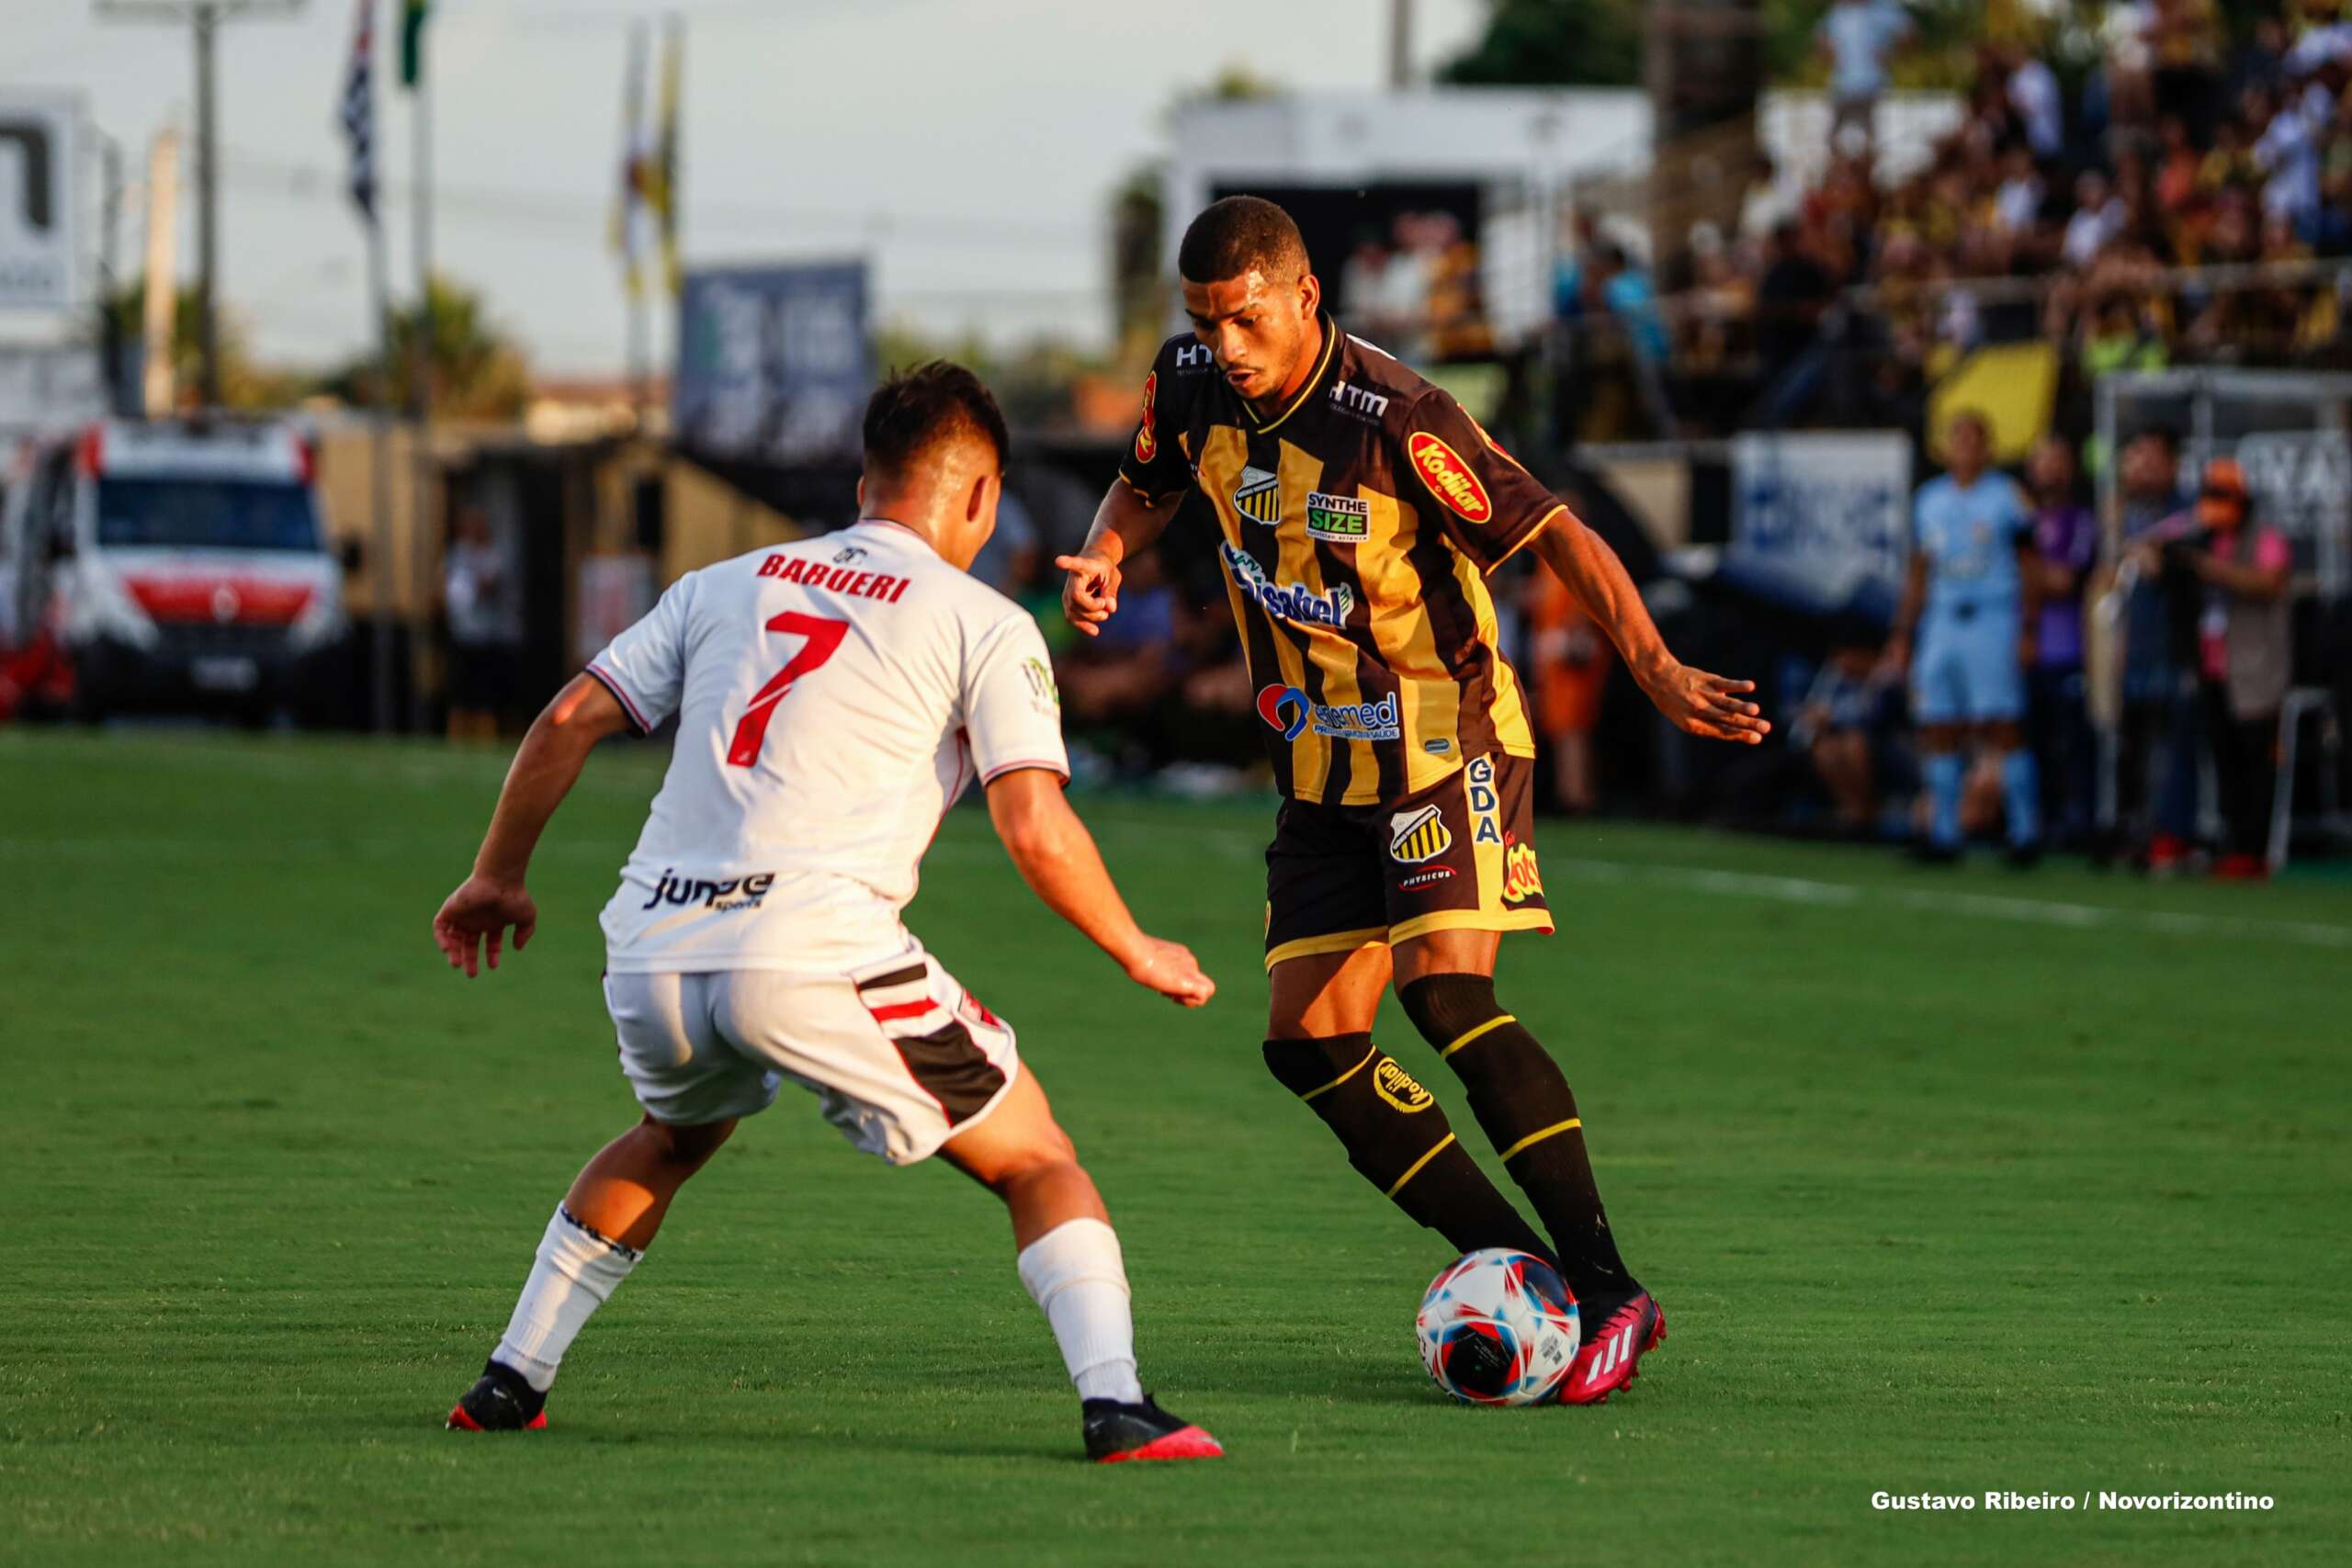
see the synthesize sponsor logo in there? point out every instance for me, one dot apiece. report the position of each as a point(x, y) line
point(1287, 601)
point(1417, 836)
point(1285, 708)
point(1522, 881)
point(1259, 495)
point(1479, 786)
point(735, 893)
point(1345, 519)
point(1449, 477)
point(1359, 402)
point(1147, 444)
point(1399, 1088)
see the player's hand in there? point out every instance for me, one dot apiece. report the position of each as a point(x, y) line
point(1707, 704)
point(1090, 596)
point(1169, 968)
point(479, 912)
point(1896, 659)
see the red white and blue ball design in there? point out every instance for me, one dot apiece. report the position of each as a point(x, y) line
point(1498, 1328)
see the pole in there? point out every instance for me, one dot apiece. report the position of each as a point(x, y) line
point(109, 276)
point(207, 212)
point(156, 390)
point(422, 478)
point(380, 472)
point(1400, 44)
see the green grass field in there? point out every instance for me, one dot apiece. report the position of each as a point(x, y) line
point(1949, 1182)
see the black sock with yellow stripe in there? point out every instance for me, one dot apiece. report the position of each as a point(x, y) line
point(1524, 1105)
point(1397, 1135)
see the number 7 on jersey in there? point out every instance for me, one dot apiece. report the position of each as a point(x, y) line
point(824, 635)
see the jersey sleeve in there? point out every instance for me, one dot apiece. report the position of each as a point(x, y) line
point(645, 667)
point(1013, 713)
point(1155, 466)
point(1487, 505)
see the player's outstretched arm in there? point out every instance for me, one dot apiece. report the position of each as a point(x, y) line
point(545, 768)
point(1702, 704)
point(1123, 523)
point(1058, 858)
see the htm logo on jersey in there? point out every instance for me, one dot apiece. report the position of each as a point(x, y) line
point(1449, 477)
point(1192, 356)
point(1342, 518)
point(1288, 600)
point(1418, 836)
point(735, 893)
point(1522, 881)
point(1479, 782)
point(1357, 401)
point(1285, 708)
point(1258, 496)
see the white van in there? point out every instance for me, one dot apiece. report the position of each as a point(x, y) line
point(181, 564)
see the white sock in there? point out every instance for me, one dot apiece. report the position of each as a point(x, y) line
point(1075, 1273)
point(577, 1269)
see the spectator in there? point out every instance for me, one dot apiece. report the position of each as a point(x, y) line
point(2100, 217)
point(1569, 661)
point(1860, 39)
point(484, 602)
point(1794, 291)
point(2065, 543)
point(1971, 606)
point(2245, 656)
point(1835, 727)
point(2156, 763)
point(2034, 97)
point(1008, 562)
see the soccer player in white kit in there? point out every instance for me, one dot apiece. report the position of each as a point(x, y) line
point(834, 697)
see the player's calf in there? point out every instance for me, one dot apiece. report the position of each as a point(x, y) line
point(1398, 1139)
point(1527, 1110)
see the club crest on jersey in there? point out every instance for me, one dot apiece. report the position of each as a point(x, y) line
point(1147, 444)
point(1343, 519)
point(1418, 836)
point(1042, 690)
point(1258, 496)
point(1522, 881)
point(1479, 786)
point(1288, 600)
point(1449, 477)
point(1399, 1088)
point(1285, 708)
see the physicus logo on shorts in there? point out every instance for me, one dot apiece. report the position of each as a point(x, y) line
point(1288, 600)
point(1344, 519)
point(1417, 836)
point(1259, 495)
point(1288, 709)
point(1398, 1088)
point(1147, 444)
point(1448, 477)
point(735, 893)
point(1479, 782)
point(1522, 881)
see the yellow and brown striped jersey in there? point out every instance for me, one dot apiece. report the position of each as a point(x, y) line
point(1359, 521)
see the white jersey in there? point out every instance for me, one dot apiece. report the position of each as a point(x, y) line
point(834, 696)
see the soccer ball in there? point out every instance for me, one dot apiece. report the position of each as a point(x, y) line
point(1497, 1327)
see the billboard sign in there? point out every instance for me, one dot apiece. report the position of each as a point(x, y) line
point(1834, 507)
point(39, 206)
point(772, 362)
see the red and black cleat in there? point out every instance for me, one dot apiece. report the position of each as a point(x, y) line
point(1116, 1433)
point(1611, 1359)
point(501, 1401)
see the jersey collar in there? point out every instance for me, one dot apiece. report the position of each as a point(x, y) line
point(1332, 337)
point(895, 527)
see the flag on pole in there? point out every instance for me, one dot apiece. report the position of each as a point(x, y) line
point(629, 211)
point(359, 111)
point(413, 19)
point(662, 188)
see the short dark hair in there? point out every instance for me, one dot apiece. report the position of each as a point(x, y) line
point(913, 410)
point(1239, 233)
point(2163, 436)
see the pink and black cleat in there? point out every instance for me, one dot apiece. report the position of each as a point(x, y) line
point(500, 1401)
point(1117, 1432)
point(1611, 1359)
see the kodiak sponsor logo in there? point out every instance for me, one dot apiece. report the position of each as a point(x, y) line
point(1449, 477)
point(1288, 600)
point(1343, 519)
point(1399, 1088)
point(1147, 444)
point(735, 893)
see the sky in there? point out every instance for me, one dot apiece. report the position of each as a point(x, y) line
point(966, 146)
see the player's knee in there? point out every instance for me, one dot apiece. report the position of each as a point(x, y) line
point(1449, 1009)
point(686, 1144)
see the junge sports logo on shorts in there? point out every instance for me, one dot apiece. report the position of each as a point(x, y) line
point(1288, 600)
point(1258, 496)
point(1479, 782)
point(1345, 519)
point(735, 893)
point(1418, 836)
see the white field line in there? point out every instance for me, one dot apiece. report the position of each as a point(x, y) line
point(1231, 844)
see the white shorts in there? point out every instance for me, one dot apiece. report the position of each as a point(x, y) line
point(901, 1056)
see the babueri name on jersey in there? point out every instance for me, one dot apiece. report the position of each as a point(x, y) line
point(846, 581)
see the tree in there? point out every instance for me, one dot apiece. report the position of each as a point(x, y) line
point(1574, 44)
point(478, 372)
point(245, 386)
